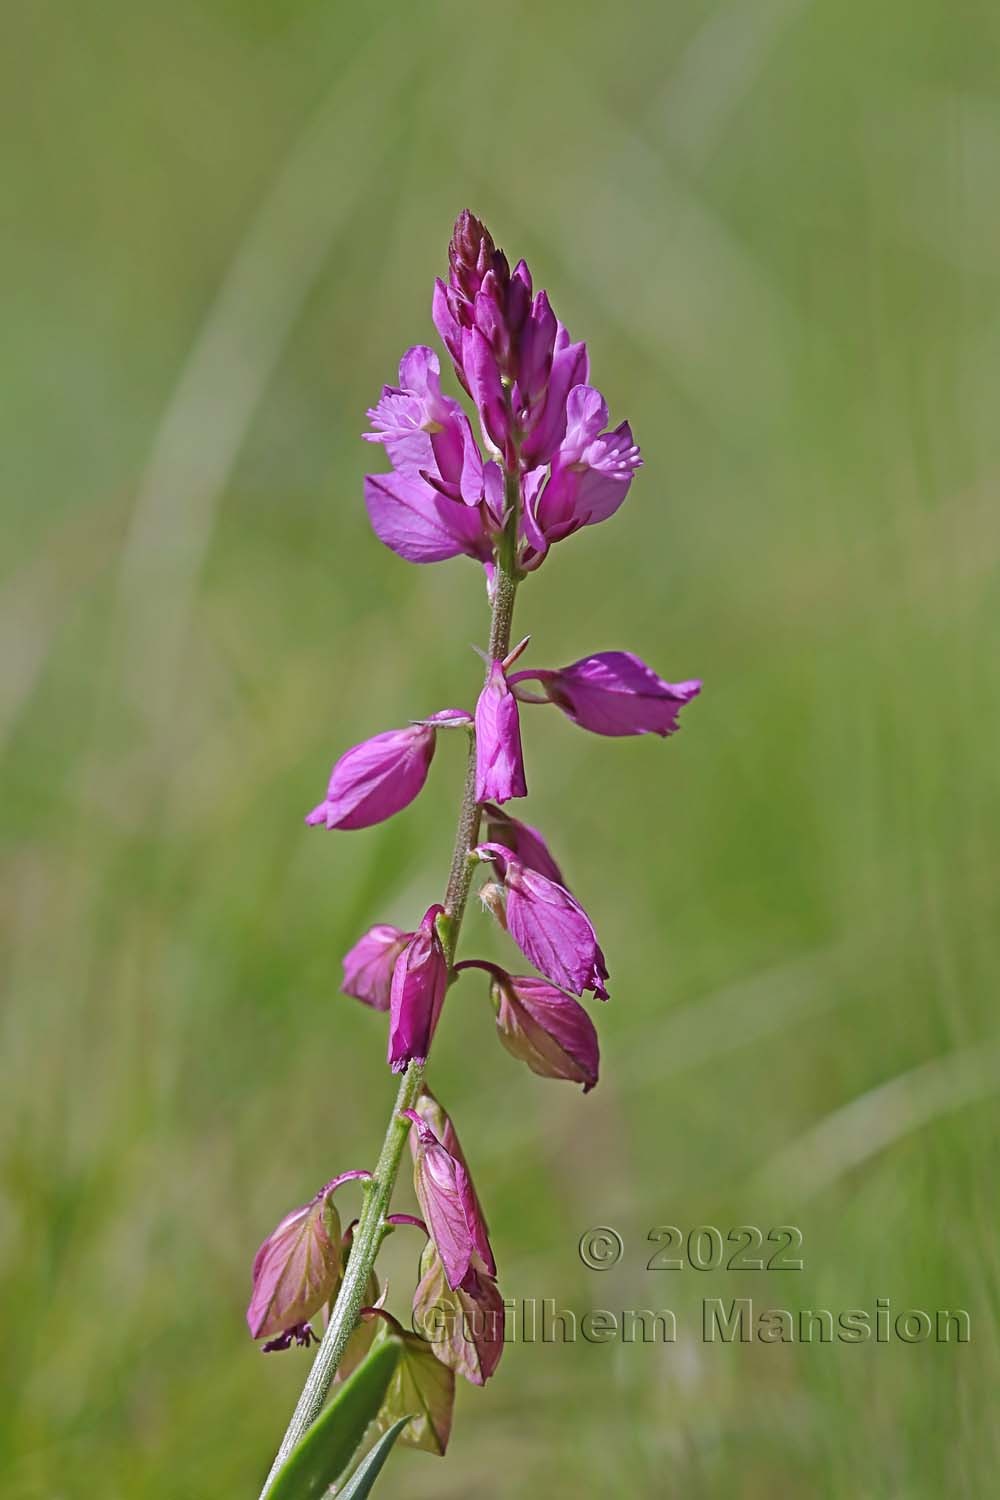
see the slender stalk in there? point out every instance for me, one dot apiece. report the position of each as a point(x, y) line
point(378, 1189)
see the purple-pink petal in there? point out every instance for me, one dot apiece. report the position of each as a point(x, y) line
point(590, 477)
point(569, 368)
point(418, 523)
point(376, 779)
point(485, 387)
point(369, 964)
point(615, 693)
point(446, 323)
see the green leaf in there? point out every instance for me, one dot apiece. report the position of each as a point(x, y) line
point(361, 1481)
point(325, 1451)
point(423, 1388)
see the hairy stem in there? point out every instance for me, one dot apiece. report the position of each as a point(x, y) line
point(378, 1189)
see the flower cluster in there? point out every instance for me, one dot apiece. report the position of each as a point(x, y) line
point(539, 419)
point(544, 464)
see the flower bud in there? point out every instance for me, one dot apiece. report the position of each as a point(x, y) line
point(499, 761)
point(546, 1028)
point(369, 964)
point(419, 985)
point(486, 389)
point(545, 416)
point(472, 255)
point(538, 342)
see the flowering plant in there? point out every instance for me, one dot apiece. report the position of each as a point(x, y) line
point(547, 464)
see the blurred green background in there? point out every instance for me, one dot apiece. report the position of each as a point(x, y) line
point(777, 224)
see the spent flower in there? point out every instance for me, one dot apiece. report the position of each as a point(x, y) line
point(297, 1268)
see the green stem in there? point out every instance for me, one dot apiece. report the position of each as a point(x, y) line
point(378, 1189)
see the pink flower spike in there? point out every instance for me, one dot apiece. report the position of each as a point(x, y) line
point(615, 693)
point(369, 964)
point(419, 985)
point(549, 925)
point(376, 779)
point(499, 760)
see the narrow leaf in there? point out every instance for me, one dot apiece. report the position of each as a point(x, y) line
point(361, 1481)
point(326, 1449)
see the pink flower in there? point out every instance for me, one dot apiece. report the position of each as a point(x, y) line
point(614, 693)
point(425, 431)
point(377, 778)
point(433, 505)
point(369, 964)
point(537, 412)
point(499, 763)
point(449, 1204)
point(590, 475)
point(549, 925)
point(419, 985)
